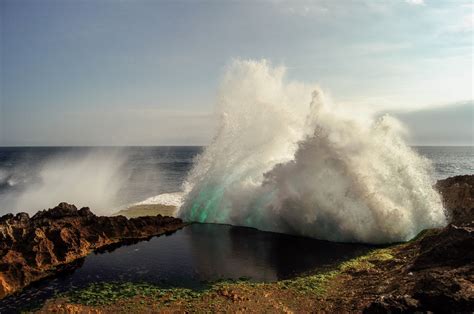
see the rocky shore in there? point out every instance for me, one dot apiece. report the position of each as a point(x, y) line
point(437, 270)
point(432, 273)
point(35, 247)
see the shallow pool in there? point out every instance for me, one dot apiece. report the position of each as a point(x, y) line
point(192, 257)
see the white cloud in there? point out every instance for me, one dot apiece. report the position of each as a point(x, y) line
point(304, 9)
point(466, 24)
point(380, 47)
point(415, 2)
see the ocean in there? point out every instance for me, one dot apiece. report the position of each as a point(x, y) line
point(108, 179)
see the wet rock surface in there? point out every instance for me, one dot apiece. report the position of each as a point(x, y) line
point(37, 247)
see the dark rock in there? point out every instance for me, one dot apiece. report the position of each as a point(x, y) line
point(458, 197)
point(6, 217)
point(60, 211)
point(441, 292)
point(439, 263)
point(453, 246)
point(85, 212)
point(440, 269)
point(22, 216)
point(392, 304)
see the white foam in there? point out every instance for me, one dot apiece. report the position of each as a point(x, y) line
point(286, 159)
point(168, 199)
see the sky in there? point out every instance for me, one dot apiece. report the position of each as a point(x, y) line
point(135, 72)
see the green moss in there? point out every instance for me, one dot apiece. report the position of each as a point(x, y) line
point(314, 284)
point(367, 261)
point(317, 283)
point(109, 293)
point(424, 233)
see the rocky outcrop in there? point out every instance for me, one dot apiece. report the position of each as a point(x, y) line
point(435, 272)
point(458, 197)
point(33, 248)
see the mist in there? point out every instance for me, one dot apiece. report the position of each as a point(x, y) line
point(93, 178)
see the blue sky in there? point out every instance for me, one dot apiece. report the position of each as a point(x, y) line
point(146, 72)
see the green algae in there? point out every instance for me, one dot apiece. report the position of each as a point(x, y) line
point(367, 261)
point(313, 284)
point(110, 292)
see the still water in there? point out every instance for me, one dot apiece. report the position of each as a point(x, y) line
point(192, 257)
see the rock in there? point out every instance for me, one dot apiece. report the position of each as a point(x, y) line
point(85, 212)
point(443, 292)
point(392, 304)
point(61, 211)
point(439, 275)
point(452, 247)
point(32, 248)
point(458, 197)
point(439, 265)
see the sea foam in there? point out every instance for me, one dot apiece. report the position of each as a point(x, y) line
point(167, 199)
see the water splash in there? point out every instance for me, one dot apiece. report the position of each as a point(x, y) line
point(91, 178)
point(167, 199)
point(285, 159)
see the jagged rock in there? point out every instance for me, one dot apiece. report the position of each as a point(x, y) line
point(458, 197)
point(393, 304)
point(452, 247)
point(437, 276)
point(31, 248)
point(440, 291)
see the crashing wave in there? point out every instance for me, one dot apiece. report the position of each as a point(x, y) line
point(285, 159)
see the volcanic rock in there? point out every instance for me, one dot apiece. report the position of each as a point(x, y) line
point(33, 248)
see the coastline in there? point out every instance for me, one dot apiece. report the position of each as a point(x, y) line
point(412, 276)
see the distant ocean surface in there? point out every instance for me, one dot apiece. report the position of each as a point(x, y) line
point(449, 161)
point(110, 178)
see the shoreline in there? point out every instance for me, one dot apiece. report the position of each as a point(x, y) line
point(355, 285)
point(380, 281)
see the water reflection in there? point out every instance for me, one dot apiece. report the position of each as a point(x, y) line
point(234, 252)
point(197, 254)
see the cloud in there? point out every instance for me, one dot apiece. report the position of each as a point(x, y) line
point(415, 2)
point(304, 9)
point(445, 125)
point(121, 126)
point(465, 25)
point(380, 47)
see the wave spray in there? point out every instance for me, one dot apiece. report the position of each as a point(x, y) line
point(285, 159)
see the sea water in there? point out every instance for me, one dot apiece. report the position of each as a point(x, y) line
point(136, 173)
